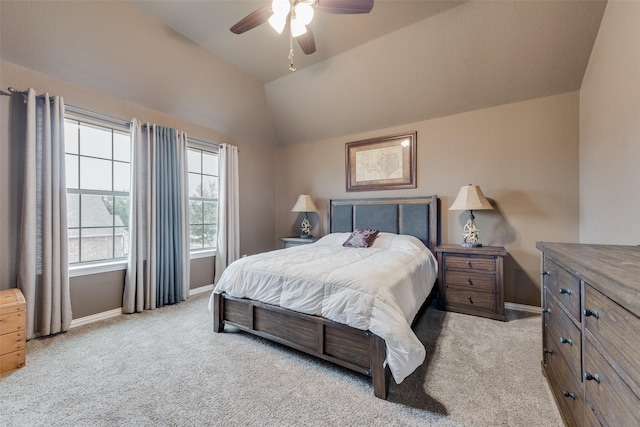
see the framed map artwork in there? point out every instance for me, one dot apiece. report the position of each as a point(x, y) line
point(384, 163)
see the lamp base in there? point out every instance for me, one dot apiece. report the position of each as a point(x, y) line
point(306, 236)
point(471, 245)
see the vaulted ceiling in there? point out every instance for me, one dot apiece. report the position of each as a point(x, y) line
point(406, 61)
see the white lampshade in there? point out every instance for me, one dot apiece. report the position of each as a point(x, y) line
point(304, 204)
point(297, 27)
point(278, 22)
point(281, 7)
point(304, 12)
point(470, 198)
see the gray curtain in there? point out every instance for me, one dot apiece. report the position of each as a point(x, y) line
point(228, 244)
point(43, 275)
point(158, 263)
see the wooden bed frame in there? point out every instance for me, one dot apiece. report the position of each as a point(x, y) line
point(361, 351)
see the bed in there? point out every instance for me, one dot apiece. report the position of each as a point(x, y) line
point(411, 221)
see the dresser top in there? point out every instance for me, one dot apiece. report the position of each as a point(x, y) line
point(612, 269)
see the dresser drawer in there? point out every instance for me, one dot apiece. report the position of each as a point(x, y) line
point(11, 342)
point(565, 385)
point(606, 395)
point(618, 332)
point(561, 331)
point(564, 286)
point(470, 280)
point(483, 264)
point(12, 361)
point(12, 322)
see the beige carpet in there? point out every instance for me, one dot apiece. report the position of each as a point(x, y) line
point(167, 367)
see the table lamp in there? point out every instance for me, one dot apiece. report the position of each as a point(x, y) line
point(305, 204)
point(470, 198)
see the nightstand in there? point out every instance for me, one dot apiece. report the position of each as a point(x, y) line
point(288, 242)
point(471, 280)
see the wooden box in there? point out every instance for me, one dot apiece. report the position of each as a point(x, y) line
point(13, 322)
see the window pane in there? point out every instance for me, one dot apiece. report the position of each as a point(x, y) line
point(71, 170)
point(193, 159)
point(95, 141)
point(121, 242)
point(209, 186)
point(73, 210)
point(96, 244)
point(121, 211)
point(95, 174)
point(209, 163)
point(195, 212)
point(121, 178)
point(195, 185)
point(209, 236)
point(121, 146)
point(210, 213)
point(97, 211)
point(74, 245)
point(196, 236)
point(71, 136)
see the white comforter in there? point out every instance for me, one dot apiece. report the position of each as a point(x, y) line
point(380, 288)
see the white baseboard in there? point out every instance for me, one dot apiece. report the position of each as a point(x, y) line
point(200, 290)
point(95, 317)
point(118, 311)
point(522, 307)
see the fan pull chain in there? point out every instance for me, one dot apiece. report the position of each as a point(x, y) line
point(291, 67)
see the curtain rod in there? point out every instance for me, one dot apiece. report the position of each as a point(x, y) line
point(14, 91)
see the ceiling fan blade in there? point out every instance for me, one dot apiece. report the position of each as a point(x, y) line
point(345, 6)
point(307, 42)
point(252, 20)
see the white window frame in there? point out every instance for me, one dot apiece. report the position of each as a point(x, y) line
point(96, 267)
point(197, 144)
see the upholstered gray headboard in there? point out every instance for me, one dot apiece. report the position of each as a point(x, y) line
point(416, 216)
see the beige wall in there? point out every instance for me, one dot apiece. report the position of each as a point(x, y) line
point(610, 130)
point(257, 182)
point(523, 155)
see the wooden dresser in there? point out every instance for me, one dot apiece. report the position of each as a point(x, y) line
point(471, 280)
point(591, 332)
point(13, 322)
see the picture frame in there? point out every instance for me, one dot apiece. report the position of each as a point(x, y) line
point(385, 163)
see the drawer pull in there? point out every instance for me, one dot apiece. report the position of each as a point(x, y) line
point(470, 299)
point(564, 340)
point(565, 291)
point(591, 377)
point(593, 313)
point(566, 393)
point(546, 310)
point(469, 264)
point(547, 351)
point(470, 281)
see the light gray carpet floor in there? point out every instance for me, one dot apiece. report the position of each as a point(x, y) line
point(167, 367)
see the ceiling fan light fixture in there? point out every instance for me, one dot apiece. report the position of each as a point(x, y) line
point(297, 27)
point(304, 12)
point(281, 7)
point(278, 22)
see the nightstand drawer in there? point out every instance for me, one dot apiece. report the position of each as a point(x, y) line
point(469, 263)
point(470, 280)
point(470, 300)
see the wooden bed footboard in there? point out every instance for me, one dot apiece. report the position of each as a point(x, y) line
point(360, 351)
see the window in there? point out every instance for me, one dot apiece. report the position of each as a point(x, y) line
point(203, 198)
point(98, 180)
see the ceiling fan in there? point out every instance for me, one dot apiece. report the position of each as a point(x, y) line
point(298, 14)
